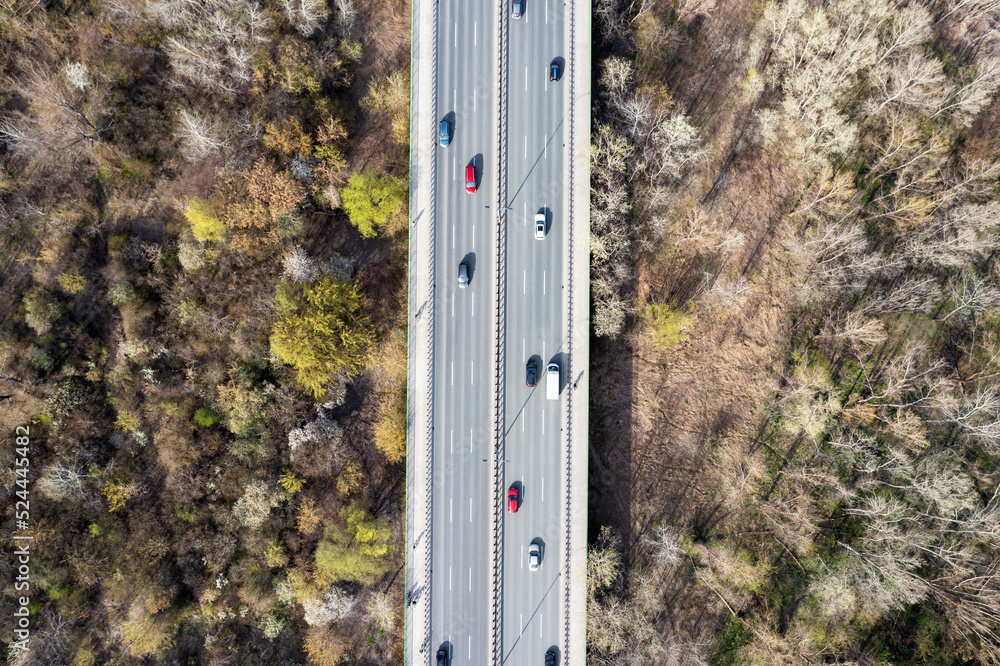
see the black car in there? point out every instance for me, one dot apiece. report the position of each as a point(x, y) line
point(532, 371)
point(442, 658)
point(550, 658)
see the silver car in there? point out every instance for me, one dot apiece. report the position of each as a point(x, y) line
point(463, 275)
point(534, 556)
point(539, 226)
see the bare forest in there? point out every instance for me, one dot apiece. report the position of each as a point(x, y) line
point(202, 326)
point(795, 427)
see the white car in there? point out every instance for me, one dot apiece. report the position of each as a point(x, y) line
point(539, 226)
point(534, 556)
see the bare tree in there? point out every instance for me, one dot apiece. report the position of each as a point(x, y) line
point(974, 93)
point(971, 295)
point(964, 234)
point(62, 119)
point(213, 41)
point(856, 332)
point(976, 415)
point(305, 15)
point(63, 480)
point(199, 135)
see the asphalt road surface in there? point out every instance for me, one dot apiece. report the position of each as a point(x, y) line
point(535, 326)
point(460, 548)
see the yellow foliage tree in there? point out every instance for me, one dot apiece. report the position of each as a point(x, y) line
point(321, 333)
point(356, 553)
point(117, 492)
point(349, 479)
point(390, 428)
point(205, 225)
point(374, 202)
point(324, 646)
point(72, 281)
point(287, 137)
point(307, 518)
point(142, 634)
point(291, 481)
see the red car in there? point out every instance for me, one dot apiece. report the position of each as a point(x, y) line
point(512, 498)
point(470, 179)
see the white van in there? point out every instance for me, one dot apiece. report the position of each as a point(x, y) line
point(552, 381)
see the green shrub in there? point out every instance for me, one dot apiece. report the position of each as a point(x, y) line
point(668, 325)
point(205, 417)
point(375, 202)
point(357, 552)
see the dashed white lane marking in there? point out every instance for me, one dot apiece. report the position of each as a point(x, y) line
point(451, 509)
point(525, 146)
point(524, 289)
point(475, 33)
point(452, 373)
point(472, 372)
point(470, 511)
point(456, 34)
point(449, 579)
point(522, 555)
point(543, 282)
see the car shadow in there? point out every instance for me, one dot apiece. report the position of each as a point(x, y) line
point(470, 261)
point(450, 119)
point(541, 549)
point(539, 377)
point(478, 162)
point(517, 485)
